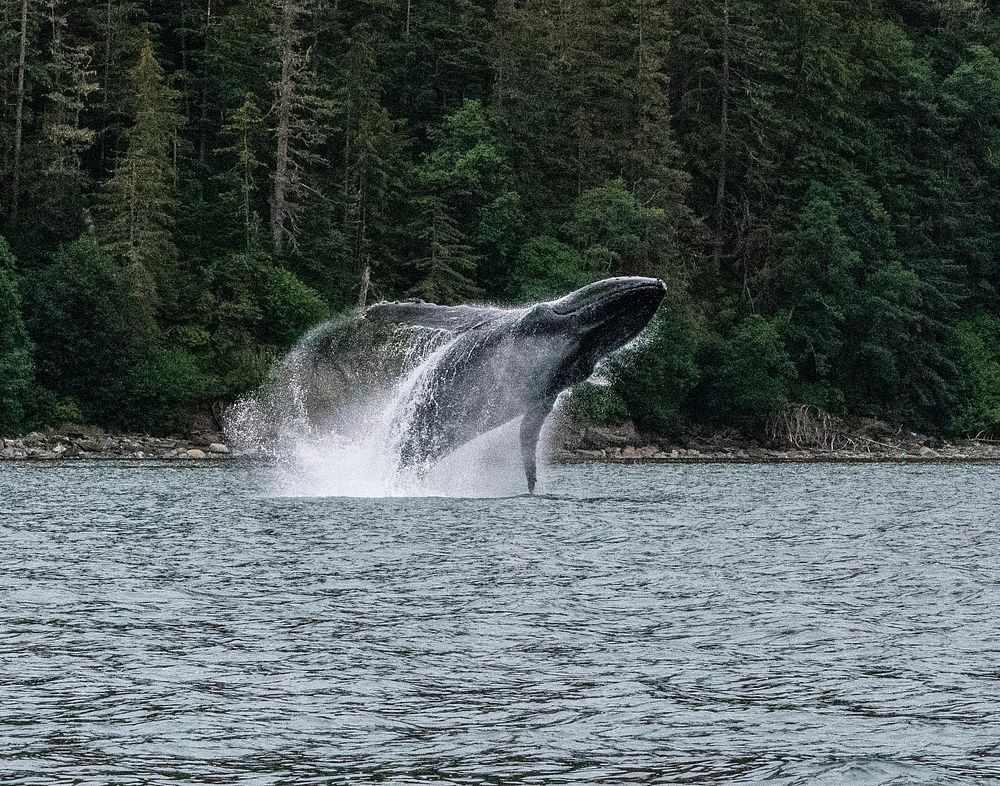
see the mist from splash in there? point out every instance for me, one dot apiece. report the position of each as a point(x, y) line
point(331, 418)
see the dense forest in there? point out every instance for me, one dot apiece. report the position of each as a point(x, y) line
point(188, 185)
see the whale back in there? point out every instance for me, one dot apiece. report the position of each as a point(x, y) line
point(417, 313)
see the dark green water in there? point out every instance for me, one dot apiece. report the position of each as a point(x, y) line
point(669, 624)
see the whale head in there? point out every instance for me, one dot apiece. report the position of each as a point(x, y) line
point(597, 319)
point(615, 309)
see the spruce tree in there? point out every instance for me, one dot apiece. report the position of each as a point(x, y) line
point(140, 198)
point(243, 134)
point(446, 266)
point(372, 147)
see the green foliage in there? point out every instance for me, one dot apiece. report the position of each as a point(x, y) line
point(164, 386)
point(140, 196)
point(257, 311)
point(16, 367)
point(977, 348)
point(747, 376)
point(86, 329)
point(98, 345)
point(818, 181)
point(447, 264)
point(288, 307)
point(816, 283)
point(598, 404)
point(243, 134)
point(614, 229)
point(467, 206)
point(660, 373)
point(547, 267)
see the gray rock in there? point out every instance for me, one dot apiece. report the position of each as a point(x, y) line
point(218, 447)
point(926, 452)
point(195, 453)
point(598, 437)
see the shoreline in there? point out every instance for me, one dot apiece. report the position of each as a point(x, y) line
point(94, 446)
point(593, 445)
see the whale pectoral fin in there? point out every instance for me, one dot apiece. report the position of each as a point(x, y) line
point(531, 428)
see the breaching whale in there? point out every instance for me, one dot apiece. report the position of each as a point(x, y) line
point(505, 364)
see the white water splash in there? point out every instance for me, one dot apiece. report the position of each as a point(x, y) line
point(328, 433)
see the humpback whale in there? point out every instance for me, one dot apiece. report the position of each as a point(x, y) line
point(503, 364)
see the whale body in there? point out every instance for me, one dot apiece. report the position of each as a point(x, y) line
point(506, 364)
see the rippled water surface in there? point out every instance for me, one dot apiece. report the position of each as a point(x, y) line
point(668, 624)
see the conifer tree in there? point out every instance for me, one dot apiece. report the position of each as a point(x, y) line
point(294, 134)
point(19, 104)
point(16, 365)
point(59, 196)
point(446, 266)
point(140, 198)
point(243, 133)
point(372, 148)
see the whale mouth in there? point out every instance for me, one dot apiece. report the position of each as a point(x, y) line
point(616, 293)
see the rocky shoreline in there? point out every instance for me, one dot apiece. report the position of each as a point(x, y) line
point(573, 444)
point(654, 453)
point(581, 443)
point(50, 446)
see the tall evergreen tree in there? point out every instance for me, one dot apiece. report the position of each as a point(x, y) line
point(140, 198)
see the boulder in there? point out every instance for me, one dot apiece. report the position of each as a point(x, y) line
point(218, 447)
point(195, 453)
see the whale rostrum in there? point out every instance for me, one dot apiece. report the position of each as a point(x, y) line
point(505, 364)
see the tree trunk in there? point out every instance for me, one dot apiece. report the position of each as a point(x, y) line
point(22, 61)
point(279, 197)
point(720, 191)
